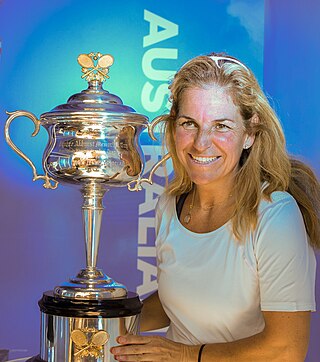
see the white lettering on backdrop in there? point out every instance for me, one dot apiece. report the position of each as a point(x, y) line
point(160, 29)
point(154, 93)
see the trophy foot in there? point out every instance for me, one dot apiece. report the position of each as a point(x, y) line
point(91, 284)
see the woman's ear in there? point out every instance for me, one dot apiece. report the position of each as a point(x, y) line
point(250, 138)
point(248, 142)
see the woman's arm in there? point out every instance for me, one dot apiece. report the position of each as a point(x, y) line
point(284, 339)
point(152, 315)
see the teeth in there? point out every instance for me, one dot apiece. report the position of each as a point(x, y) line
point(204, 159)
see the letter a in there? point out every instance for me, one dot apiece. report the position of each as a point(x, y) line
point(169, 29)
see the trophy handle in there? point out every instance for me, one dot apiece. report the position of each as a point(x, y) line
point(151, 127)
point(135, 185)
point(49, 183)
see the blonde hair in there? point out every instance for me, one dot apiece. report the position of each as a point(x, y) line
point(267, 161)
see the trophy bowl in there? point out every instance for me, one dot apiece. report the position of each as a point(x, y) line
point(93, 145)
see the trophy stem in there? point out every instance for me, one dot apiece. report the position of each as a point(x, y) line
point(92, 209)
point(91, 283)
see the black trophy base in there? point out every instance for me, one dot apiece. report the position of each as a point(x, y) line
point(36, 359)
point(64, 320)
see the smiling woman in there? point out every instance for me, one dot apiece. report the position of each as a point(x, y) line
point(236, 229)
point(209, 138)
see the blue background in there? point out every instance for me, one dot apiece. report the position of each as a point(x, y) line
point(42, 238)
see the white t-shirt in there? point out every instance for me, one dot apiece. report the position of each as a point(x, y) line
point(213, 288)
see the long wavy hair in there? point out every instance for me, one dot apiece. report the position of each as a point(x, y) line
point(266, 161)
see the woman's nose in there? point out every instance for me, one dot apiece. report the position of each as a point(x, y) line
point(202, 140)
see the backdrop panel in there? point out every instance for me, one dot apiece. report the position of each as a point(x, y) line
point(291, 78)
point(42, 237)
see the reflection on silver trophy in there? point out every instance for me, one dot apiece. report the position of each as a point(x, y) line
point(94, 145)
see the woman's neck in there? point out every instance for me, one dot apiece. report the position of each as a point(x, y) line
point(209, 196)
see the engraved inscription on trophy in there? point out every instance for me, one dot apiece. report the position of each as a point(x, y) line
point(75, 144)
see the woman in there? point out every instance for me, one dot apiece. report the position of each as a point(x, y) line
point(236, 228)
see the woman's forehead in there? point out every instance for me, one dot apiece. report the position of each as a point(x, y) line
point(214, 100)
point(212, 91)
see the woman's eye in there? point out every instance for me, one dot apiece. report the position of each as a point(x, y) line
point(188, 125)
point(221, 127)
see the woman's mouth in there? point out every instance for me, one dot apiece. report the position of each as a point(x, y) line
point(203, 160)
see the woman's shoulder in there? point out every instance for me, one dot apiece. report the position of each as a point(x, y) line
point(165, 200)
point(280, 211)
point(276, 200)
point(164, 210)
point(280, 215)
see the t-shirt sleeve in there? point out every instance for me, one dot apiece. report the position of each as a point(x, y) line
point(286, 263)
point(161, 205)
point(158, 214)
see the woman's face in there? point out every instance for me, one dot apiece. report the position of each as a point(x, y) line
point(210, 135)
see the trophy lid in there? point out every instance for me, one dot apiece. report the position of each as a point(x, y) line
point(93, 101)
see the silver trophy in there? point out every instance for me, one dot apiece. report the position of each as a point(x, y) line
point(93, 145)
